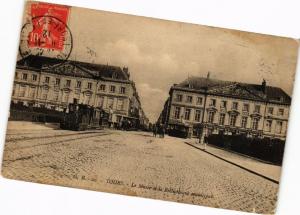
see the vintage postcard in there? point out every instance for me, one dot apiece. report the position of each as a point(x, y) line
point(149, 108)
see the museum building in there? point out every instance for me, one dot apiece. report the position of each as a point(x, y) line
point(53, 84)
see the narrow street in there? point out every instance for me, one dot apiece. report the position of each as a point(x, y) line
point(135, 163)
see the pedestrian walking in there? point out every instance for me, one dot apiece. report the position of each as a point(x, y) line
point(163, 130)
point(205, 141)
point(154, 130)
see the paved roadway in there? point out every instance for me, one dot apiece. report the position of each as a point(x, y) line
point(137, 164)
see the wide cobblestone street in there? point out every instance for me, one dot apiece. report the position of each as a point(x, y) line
point(137, 164)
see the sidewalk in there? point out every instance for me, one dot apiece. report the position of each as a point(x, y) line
point(269, 171)
point(25, 125)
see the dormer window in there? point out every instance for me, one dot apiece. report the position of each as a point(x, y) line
point(89, 85)
point(115, 75)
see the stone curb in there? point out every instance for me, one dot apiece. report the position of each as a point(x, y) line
point(235, 164)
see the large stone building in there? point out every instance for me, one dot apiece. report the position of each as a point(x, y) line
point(208, 106)
point(53, 84)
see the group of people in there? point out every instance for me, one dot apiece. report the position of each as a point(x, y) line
point(159, 130)
point(125, 124)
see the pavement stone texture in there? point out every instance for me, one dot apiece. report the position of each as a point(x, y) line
point(269, 170)
point(137, 164)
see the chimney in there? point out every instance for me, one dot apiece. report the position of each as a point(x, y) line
point(125, 69)
point(208, 75)
point(263, 85)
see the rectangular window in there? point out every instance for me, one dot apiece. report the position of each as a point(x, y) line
point(89, 85)
point(197, 115)
point(22, 91)
point(31, 92)
point(66, 97)
point(110, 103)
point(212, 102)
point(189, 99)
point(223, 104)
point(270, 110)
point(68, 83)
point(102, 87)
point(57, 81)
point(255, 123)
point(257, 108)
point(177, 113)
point(78, 84)
point(234, 105)
point(45, 94)
point(100, 101)
point(244, 122)
point(246, 107)
point(87, 98)
point(120, 104)
point(122, 90)
point(280, 111)
point(47, 79)
point(278, 127)
point(34, 77)
point(187, 114)
point(232, 120)
point(55, 95)
point(211, 116)
point(222, 119)
point(24, 76)
point(199, 100)
point(112, 89)
point(179, 98)
point(268, 125)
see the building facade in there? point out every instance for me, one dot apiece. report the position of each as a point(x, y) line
point(50, 83)
point(208, 106)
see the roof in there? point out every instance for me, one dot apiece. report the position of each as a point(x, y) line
point(73, 68)
point(235, 89)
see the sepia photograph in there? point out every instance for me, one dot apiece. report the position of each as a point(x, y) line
point(150, 108)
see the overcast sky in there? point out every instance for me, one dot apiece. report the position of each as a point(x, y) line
point(160, 53)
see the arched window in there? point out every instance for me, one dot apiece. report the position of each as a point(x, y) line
point(232, 120)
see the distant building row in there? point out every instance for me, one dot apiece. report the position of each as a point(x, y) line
point(49, 83)
point(212, 106)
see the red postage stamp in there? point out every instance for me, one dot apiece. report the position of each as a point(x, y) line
point(47, 32)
